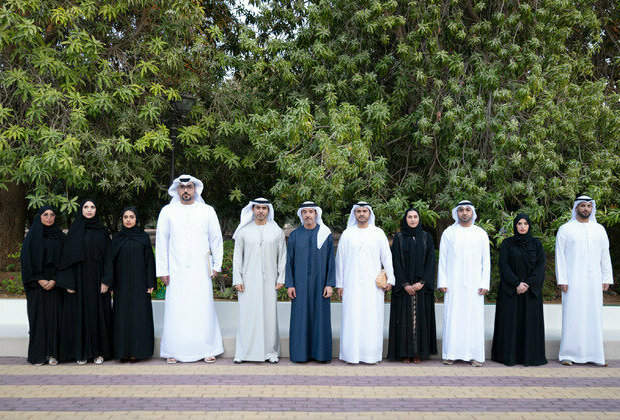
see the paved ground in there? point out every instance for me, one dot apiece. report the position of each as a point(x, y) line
point(154, 389)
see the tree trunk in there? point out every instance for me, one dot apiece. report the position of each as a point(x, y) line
point(12, 223)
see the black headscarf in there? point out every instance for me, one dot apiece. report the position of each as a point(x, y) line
point(33, 256)
point(125, 234)
point(412, 247)
point(74, 245)
point(408, 230)
point(525, 242)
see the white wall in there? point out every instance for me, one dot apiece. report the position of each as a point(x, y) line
point(14, 326)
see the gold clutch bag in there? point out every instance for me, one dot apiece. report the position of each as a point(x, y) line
point(381, 279)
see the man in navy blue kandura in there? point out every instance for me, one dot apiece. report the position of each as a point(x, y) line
point(310, 278)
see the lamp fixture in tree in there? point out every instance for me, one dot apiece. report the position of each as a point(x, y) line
point(180, 109)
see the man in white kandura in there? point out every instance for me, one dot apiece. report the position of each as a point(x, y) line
point(464, 275)
point(583, 271)
point(362, 251)
point(189, 251)
point(259, 269)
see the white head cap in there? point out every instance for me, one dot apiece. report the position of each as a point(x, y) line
point(582, 198)
point(247, 216)
point(324, 231)
point(186, 179)
point(353, 221)
point(465, 203)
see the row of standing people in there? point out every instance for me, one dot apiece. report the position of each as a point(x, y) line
point(68, 280)
point(190, 237)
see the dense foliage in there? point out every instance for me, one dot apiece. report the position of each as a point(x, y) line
point(513, 105)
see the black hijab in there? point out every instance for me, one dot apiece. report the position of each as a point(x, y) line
point(33, 255)
point(408, 230)
point(525, 242)
point(74, 245)
point(125, 234)
point(412, 248)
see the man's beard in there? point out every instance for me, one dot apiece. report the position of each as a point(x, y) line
point(465, 219)
point(584, 214)
point(186, 197)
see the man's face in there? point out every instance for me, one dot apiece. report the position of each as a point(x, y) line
point(48, 217)
point(584, 209)
point(362, 214)
point(464, 214)
point(186, 191)
point(309, 216)
point(260, 211)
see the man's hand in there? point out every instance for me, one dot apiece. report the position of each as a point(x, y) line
point(165, 280)
point(150, 290)
point(443, 289)
point(70, 290)
point(387, 287)
point(482, 292)
point(50, 285)
point(564, 288)
point(605, 287)
point(104, 287)
point(328, 291)
point(279, 286)
point(291, 293)
point(43, 283)
point(240, 288)
point(214, 273)
point(339, 291)
point(417, 286)
point(409, 289)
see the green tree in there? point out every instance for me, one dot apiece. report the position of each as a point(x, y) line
point(505, 103)
point(85, 87)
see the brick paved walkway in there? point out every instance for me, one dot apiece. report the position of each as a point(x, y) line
point(154, 389)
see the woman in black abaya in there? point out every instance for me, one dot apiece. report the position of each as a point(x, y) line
point(40, 258)
point(519, 336)
point(412, 335)
point(86, 273)
point(134, 281)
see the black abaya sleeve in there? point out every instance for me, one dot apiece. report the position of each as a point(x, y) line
point(509, 280)
point(149, 259)
point(536, 278)
point(108, 265)
point(429, 264)
point(399, 270)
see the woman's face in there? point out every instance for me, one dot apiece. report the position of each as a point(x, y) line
point(413, 219)
point(89, 210)
point(523, 226)
point(129, 219)
point(48, 218)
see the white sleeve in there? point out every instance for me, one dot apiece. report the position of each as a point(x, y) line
point(340, 251)
point(485, 280)
point(282, 259)
point(560, 257)
point(607, 275)
point(386, 259)
point(442, 268)
point(162, 236)
point(237, 265)
point(216, 244)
